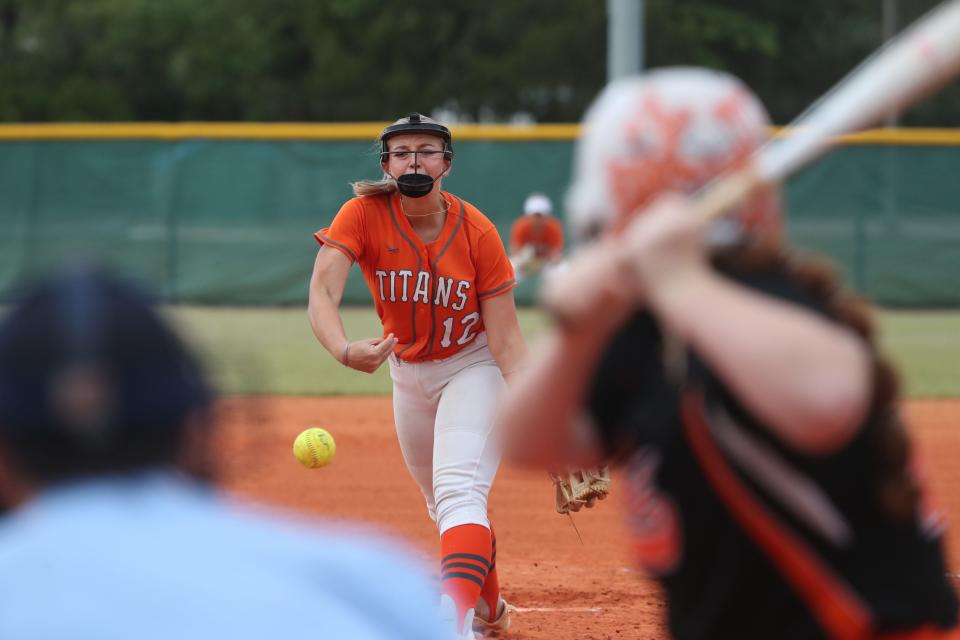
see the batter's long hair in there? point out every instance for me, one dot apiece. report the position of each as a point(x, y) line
point(814, 275)
point(897, 492)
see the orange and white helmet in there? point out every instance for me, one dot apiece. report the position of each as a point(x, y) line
point(671, 129)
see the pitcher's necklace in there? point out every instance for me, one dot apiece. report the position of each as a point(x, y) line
point(424, 215)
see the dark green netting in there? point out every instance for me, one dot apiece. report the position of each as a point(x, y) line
point(231, 222)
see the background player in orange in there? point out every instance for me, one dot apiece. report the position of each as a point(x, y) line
point(769, 478)
point(442, 286)
point(536, 237)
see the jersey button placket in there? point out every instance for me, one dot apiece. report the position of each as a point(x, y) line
point(427, 309)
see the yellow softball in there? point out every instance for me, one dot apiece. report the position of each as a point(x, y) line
point(314, 448)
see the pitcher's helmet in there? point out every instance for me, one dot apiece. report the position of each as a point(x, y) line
point(417, 123)
point(670, 129)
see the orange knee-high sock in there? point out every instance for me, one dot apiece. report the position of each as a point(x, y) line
point(491, 588)
point(464, 564)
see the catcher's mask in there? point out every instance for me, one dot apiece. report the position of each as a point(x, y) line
point(86, 363)
point(671, 129)
point(415, 185)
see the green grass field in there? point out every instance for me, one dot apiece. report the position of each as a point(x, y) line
point(273, 351)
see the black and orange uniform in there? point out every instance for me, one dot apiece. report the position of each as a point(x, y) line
point(750, 538)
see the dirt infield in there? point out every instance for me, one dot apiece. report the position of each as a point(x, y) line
point(564, 589)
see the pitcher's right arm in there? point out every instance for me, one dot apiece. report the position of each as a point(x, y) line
point(329, 278)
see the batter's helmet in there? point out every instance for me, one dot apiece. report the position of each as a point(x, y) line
point(92, 379)
point(417, 123)
point(669, 129)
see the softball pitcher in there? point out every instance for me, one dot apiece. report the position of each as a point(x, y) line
point(442, 287)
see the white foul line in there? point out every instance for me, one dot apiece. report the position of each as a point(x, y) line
point(554, 609)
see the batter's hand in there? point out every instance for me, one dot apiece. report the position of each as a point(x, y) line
point(592, 291)
point(368, 354)
point(664, 247)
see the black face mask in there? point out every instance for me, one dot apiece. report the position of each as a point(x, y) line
point(415, 185)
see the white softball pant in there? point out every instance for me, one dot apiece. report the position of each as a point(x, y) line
point(444, 412)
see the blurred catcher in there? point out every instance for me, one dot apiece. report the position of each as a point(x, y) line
point(770, 482)
point(115, 529)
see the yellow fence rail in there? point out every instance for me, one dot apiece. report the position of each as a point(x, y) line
point(370, 131)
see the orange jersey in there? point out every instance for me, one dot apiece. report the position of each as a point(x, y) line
point(544, 233)
point(427, 294)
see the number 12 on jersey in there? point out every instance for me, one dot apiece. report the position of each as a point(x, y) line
point(466, 335)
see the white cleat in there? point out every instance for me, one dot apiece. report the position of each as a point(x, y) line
point(495, 628)
point(448, 615)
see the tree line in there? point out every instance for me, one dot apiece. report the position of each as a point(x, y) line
point(363, 60)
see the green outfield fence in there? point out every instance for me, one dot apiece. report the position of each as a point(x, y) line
point(224, 213)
